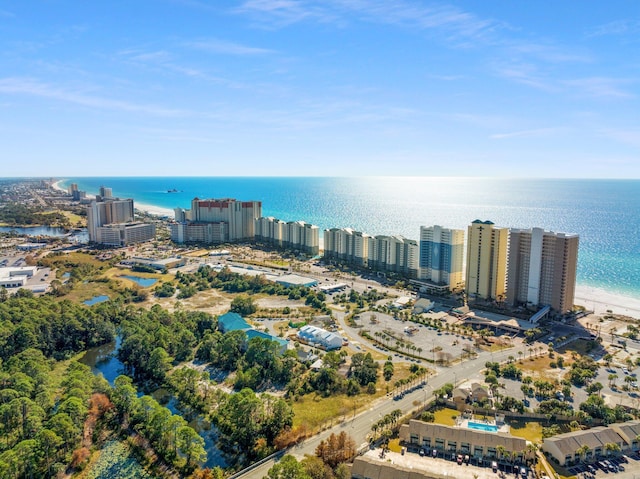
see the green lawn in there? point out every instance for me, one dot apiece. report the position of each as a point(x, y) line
point(531, 431)
point(446, 416)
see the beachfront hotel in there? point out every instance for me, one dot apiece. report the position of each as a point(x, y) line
point(381, 253)
point(216, 221)
point(110, 221)
point(486, 260)
point(441, 257)
point(542, 269)
point(347, 245)
point(296, 235)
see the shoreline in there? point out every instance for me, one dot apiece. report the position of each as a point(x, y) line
point(592, 298)
point(600, 301)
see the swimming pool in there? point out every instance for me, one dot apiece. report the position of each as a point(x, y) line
point(482, 427)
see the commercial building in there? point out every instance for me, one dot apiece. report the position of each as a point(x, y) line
point(159, 264)
point(234, 322)
point(566, 449)
point(320, 337)
point(16, 277)
point(486, 261)
point(216, 221)
point(442, 256)
point(297, 235)
point(542, 269)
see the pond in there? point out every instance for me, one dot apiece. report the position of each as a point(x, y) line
point(96, 300)
point(79, 236)
point(104, 360)
point(144, 282)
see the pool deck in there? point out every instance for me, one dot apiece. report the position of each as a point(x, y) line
point(489, 426)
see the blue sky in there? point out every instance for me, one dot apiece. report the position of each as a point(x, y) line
point(328, 87)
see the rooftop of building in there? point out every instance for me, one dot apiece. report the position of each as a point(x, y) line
point(232, 322)
point(410, 465)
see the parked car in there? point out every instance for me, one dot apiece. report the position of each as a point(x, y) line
point(421, 451)
point(523, 472)
point(460, 458)
point(494, 466)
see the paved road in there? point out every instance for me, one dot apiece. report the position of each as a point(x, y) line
point(359, 426)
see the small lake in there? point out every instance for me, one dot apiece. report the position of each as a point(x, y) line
point(54, 232)
point(96, 299)
point(144, 282)
point(104, 360)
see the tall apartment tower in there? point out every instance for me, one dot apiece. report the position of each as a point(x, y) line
point(442, 256)
point(486, 260)
point(542, 268)
point(216, 221)
point(106, 193)
point(101, 213)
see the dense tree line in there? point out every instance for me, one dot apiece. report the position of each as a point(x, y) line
point(178, 444)
point(19, 214)
point(41, 423)
point(152, 340)
point(57, 328)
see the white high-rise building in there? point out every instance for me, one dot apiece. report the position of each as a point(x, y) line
point(294, 234)
point(345, 244)
point(442, 256)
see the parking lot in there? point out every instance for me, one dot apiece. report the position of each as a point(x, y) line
point(623, 467)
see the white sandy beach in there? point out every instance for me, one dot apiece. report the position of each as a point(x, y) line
point(149, 209)
point(600, 300)
point(154, 210)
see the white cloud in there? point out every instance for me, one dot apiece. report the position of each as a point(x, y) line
point(534, 133)
point(626, 136)
point(601, 87)
point(617, 27)
point(226, 47)
point(32, 87)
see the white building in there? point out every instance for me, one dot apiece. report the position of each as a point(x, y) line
point(320, 337)
point(124, 234)
point(395, 254)
point(345, 244)
point(16, 277)
point(294, 234)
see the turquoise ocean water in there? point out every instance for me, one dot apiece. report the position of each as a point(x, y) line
point(605, 213)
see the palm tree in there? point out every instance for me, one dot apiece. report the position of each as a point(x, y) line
point(611, 447)
point(612, 379)
point(582, 451)
point(500, 450)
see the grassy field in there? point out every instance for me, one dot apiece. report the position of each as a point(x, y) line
point(84, 291)
point(531, 431)
point(314, 411)
point(446, 416)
